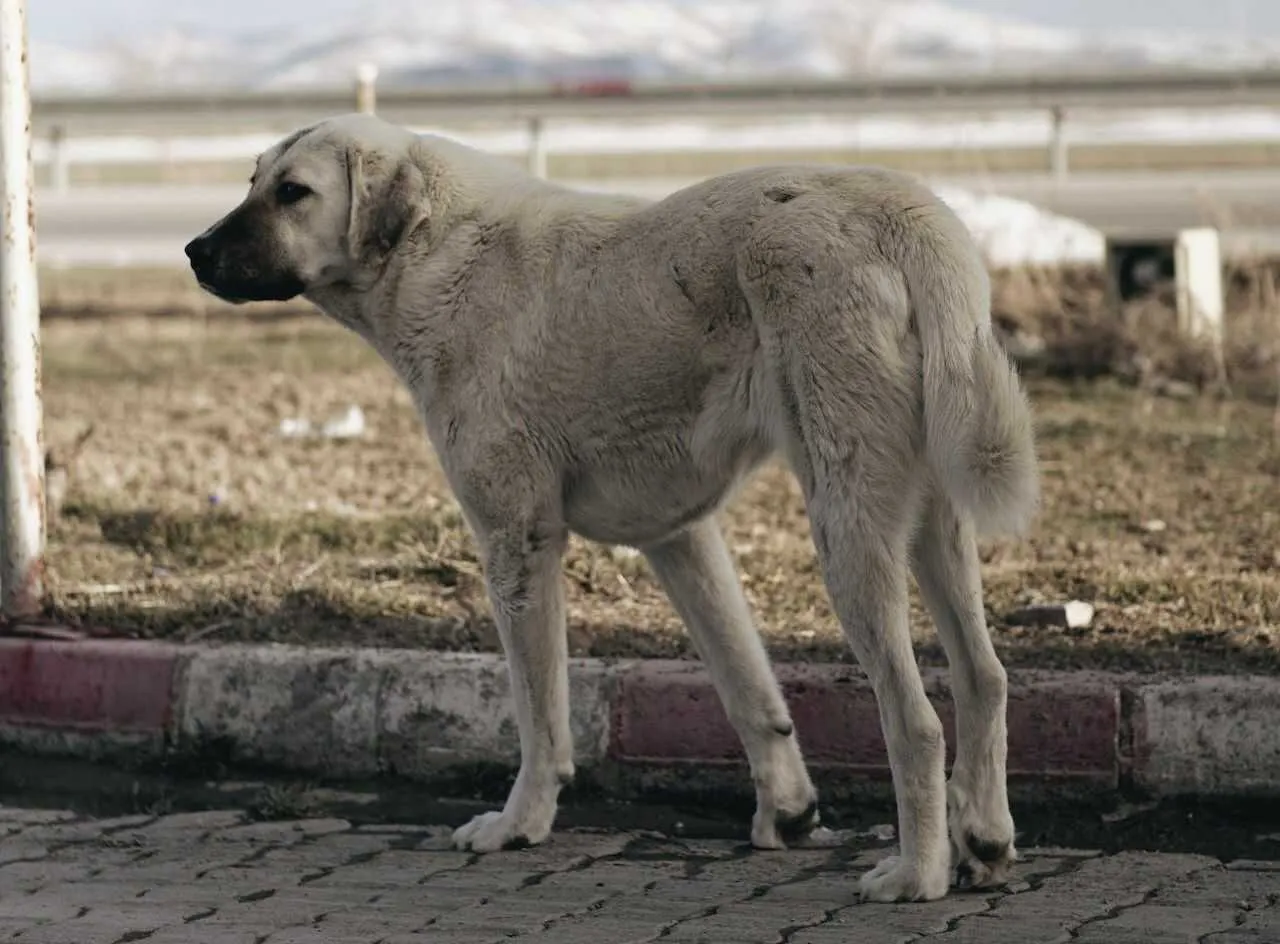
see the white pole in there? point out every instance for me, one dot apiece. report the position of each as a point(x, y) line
point(537, 155)
point(21, 437)
point(367, 88)
point(59, 163)
point(1059, 159)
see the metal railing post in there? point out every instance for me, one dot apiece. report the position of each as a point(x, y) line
point(537, 156)
point(22, 537)
point(367, 88)
point(1059, 159)
point(59, 160)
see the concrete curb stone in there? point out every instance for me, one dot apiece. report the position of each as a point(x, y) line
point(1065, 726)
point(92, 685)
point(1208, 735)
point(299, 709)
point(352, 712)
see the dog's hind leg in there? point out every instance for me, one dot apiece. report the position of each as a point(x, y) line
point(834, 327)
point(945, 561)
point(861, 534)
point(696, 570)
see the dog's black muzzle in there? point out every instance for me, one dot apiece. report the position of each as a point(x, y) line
point(229, 262)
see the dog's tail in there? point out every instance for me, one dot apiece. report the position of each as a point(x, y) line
point(979, 435)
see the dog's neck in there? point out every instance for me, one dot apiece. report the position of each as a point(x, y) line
point(367, 306)
point(340, 302)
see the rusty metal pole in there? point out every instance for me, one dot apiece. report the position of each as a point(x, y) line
point(22, 536)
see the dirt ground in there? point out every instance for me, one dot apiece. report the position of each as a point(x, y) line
point(191, 516)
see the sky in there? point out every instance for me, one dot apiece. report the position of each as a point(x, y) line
point(77, 22)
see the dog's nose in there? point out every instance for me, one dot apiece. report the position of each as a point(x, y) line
point(199, 251)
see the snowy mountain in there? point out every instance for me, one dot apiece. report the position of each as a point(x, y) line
point(448, 41)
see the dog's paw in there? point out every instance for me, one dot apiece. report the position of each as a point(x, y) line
point(498, 831)
point(982, 863)
point(778, 829)
point(981, 840)
point(896, 879)
point(786, 799)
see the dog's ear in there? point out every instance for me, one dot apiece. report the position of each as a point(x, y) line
point(388, 199)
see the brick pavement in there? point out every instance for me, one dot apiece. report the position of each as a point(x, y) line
point(217, 878)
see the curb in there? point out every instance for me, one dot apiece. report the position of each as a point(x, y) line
point(432, 716)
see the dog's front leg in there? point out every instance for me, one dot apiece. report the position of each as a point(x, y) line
point(522, 572)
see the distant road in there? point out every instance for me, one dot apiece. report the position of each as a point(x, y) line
point(150, 225)
point(161, 113)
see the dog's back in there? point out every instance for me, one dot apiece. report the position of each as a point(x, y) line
point(684, 315)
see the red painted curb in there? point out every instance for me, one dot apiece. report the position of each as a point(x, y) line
point(90, 686)
point(1060, 727)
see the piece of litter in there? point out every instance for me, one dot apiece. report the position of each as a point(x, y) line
point(822, 837)
point(884, 832)
point(295, 428)
point(348, 426)
point(1075, 614)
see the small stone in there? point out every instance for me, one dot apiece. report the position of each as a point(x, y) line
point(883, 832)
point(1154, 526)
point(821, 837)
point(1024, 346)
point(1128, 811)
point(1075, 614)
point(1176, 390)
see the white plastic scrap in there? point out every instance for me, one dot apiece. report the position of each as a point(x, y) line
point(349, 425)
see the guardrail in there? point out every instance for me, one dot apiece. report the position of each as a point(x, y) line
point(57, 118)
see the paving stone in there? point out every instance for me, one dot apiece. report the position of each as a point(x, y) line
point(57, 833)
point(1254, 865)
point(17, 849)
point(214, 879)
point(197, 934)
point(26, 817)
point(283, 831)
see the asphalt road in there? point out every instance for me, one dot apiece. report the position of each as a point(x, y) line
point(149, 225)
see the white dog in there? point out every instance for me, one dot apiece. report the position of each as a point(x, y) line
point(615, 367)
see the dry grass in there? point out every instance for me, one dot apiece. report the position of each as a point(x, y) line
point(190, 516)
point(1065, 307)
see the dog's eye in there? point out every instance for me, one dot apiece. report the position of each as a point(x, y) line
point(289, 192)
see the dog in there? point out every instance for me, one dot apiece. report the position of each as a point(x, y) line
point(615, 368)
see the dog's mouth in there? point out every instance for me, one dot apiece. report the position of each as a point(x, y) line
point(223, 291)
point(220, 293)
point(238, 292)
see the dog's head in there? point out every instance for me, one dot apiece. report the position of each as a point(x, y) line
point(326, 205)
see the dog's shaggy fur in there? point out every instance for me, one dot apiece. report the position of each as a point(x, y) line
point(615, 367)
